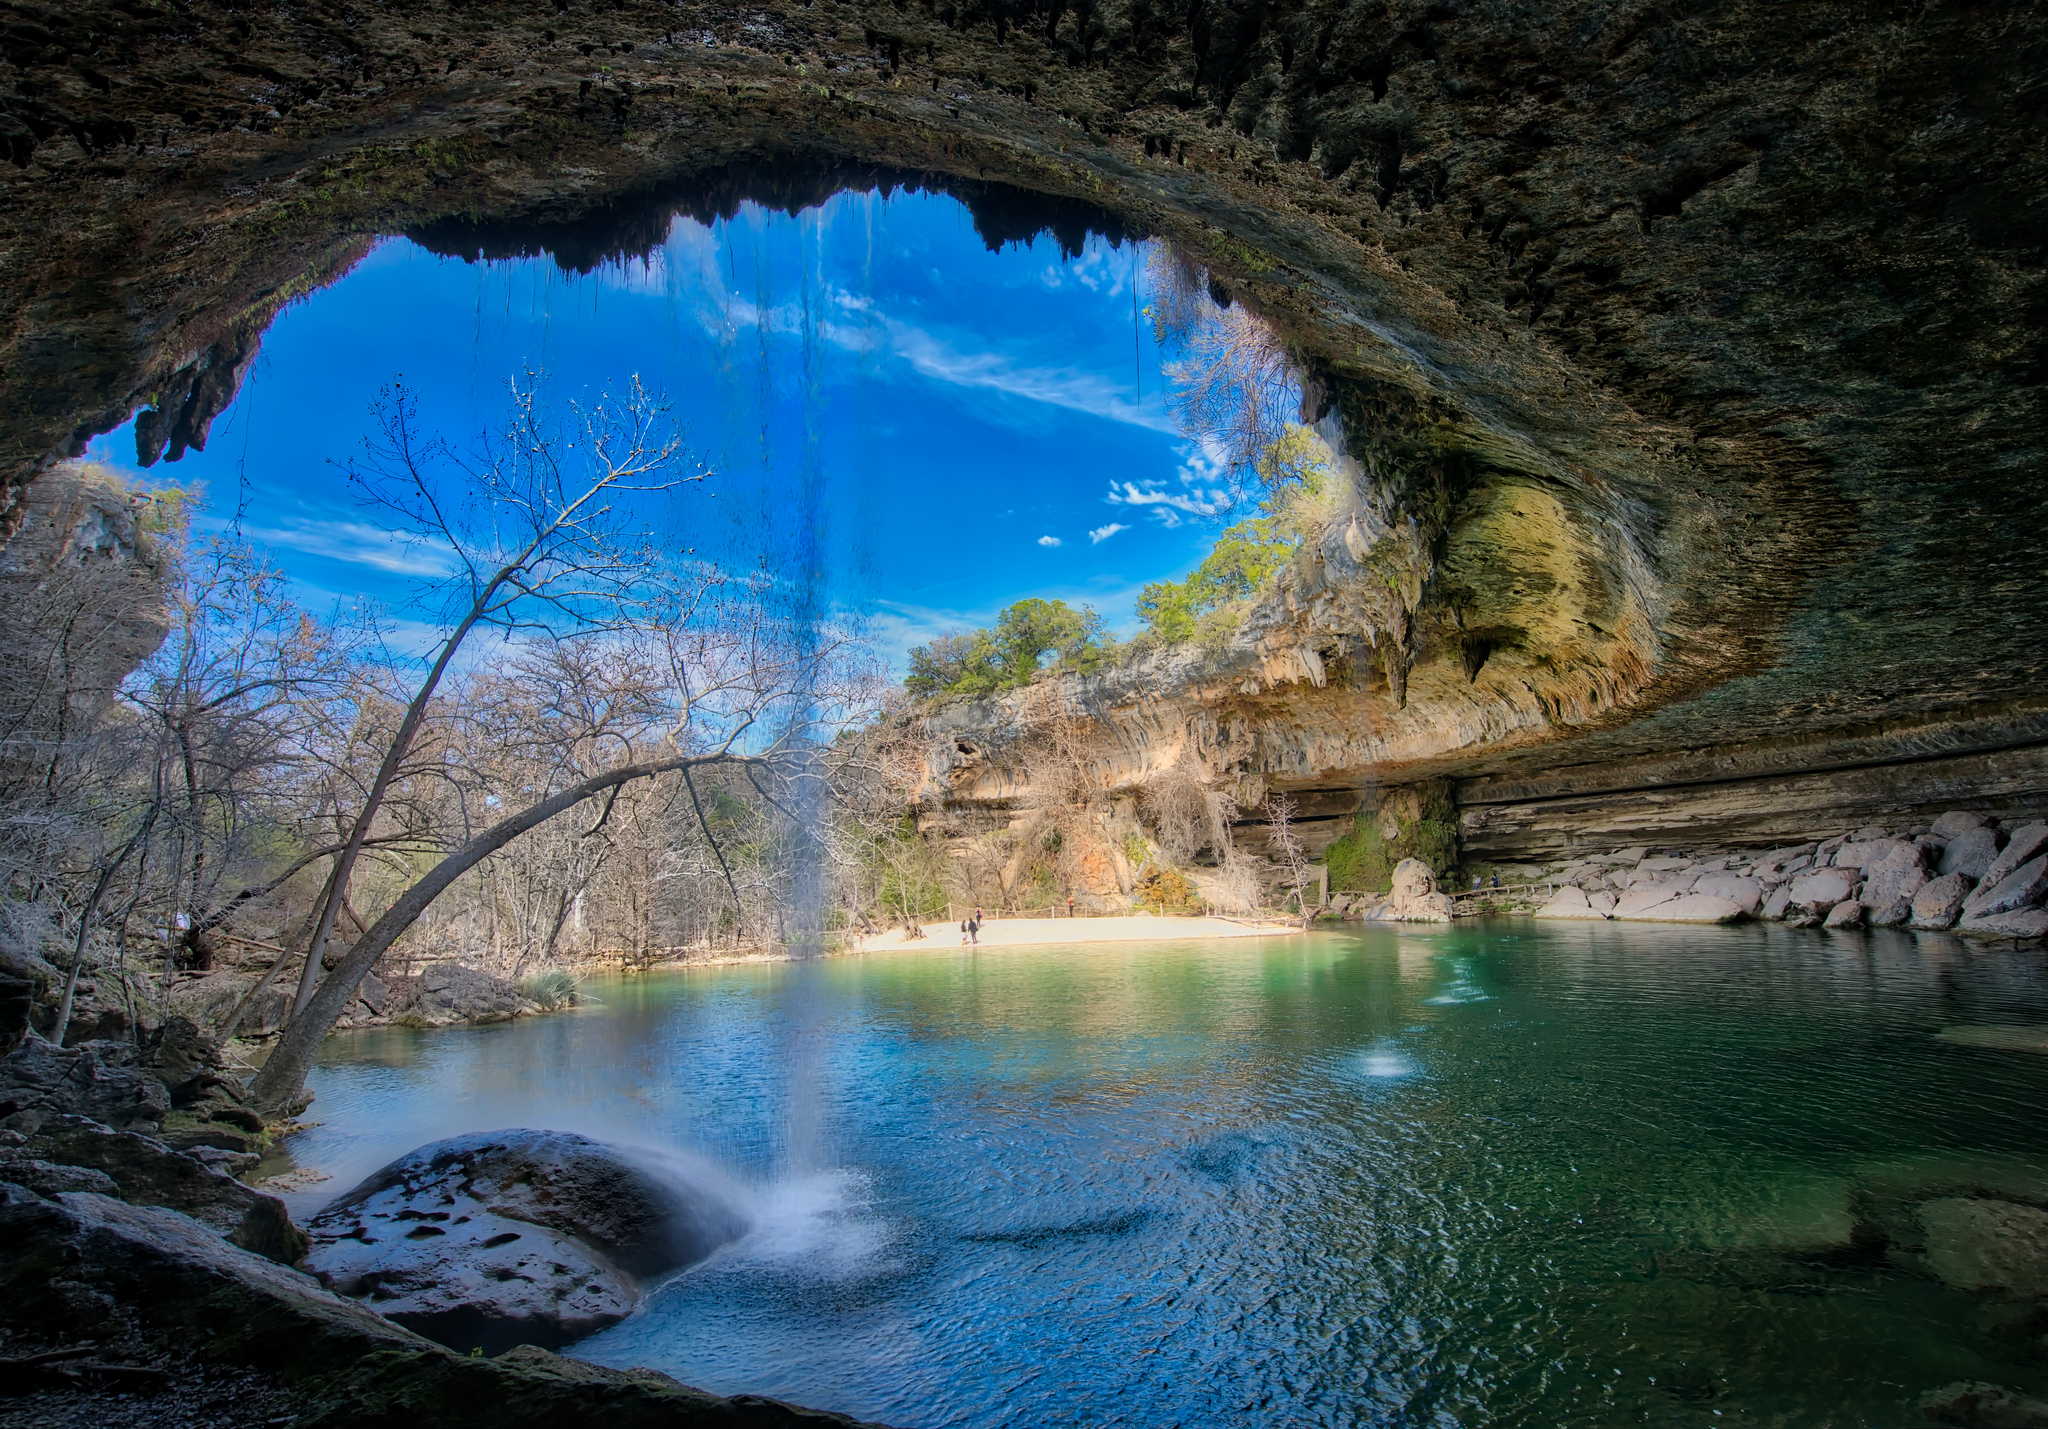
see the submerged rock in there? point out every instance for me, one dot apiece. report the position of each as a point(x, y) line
point(1977, 1405)
point(1998, 1039)
point(1979, 1244)
point(515, 1237)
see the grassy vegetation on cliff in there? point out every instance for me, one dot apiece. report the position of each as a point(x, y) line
point(1363, 860)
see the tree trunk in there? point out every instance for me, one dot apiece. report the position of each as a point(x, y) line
point(278, 1084)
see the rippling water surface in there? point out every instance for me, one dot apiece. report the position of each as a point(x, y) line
point(1496, 1174)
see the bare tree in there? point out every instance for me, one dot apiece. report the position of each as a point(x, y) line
point(707, 692)
point(1284, 844)
point(536, 543)
point(1233, 386)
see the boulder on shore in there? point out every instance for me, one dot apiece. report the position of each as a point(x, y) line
point(514, 1237)
point(1570, 902)
point(2023, 923)
point(1894, 877)
point(149, 1173)
point(1689, 908)
point(448, 993)
point(2021, 888)
point(1815, 893)
point(1957, 822)
point(40, 1081)
point(1940, 903)
point(1735, 887)
point(1414, 898)
point(1970, 853)
point(2025, 844)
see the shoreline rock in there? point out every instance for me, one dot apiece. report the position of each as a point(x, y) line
point(159, 1296)
point(1413, 898)
point(1919, 878)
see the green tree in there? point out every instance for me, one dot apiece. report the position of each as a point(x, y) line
point(1243, 557)
point(1294, 470)
point(981, 662)
point(1032, 629)
point(963, 664)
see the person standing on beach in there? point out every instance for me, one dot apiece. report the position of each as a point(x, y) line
point(974, 928)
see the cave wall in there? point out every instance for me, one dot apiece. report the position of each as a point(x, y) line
point(1691, 359)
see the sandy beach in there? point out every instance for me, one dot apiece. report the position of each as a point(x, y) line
point(1024, 932)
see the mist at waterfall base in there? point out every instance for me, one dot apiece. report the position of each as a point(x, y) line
point(1489, 1174)
point(909, 428)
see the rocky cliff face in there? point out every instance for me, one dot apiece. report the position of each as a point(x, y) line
point(1691, 359)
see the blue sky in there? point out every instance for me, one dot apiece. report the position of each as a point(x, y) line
point(977, 426)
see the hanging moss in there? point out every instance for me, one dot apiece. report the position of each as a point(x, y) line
point(1423, 823)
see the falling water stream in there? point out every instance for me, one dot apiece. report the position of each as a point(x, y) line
point(1502, 1173)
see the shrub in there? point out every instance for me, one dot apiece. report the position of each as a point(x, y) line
point(551, 989)
point(1166, 888)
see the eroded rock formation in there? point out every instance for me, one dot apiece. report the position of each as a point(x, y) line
point(1690, 359)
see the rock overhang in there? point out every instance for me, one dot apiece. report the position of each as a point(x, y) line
point(1701, 352)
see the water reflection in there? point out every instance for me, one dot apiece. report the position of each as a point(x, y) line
point(1581, 1175)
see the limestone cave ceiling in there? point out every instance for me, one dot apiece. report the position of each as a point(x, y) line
point(1699, 349)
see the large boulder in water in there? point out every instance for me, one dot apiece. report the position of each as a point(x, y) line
point(515, 1237)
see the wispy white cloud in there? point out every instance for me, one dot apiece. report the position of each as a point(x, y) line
point(687, 270)
point(1048, 540)
point(1100, 268)
point(1203, 491)
point(938, 360)
point(1168, 507)
point(1103, 533)
point(355, 543)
